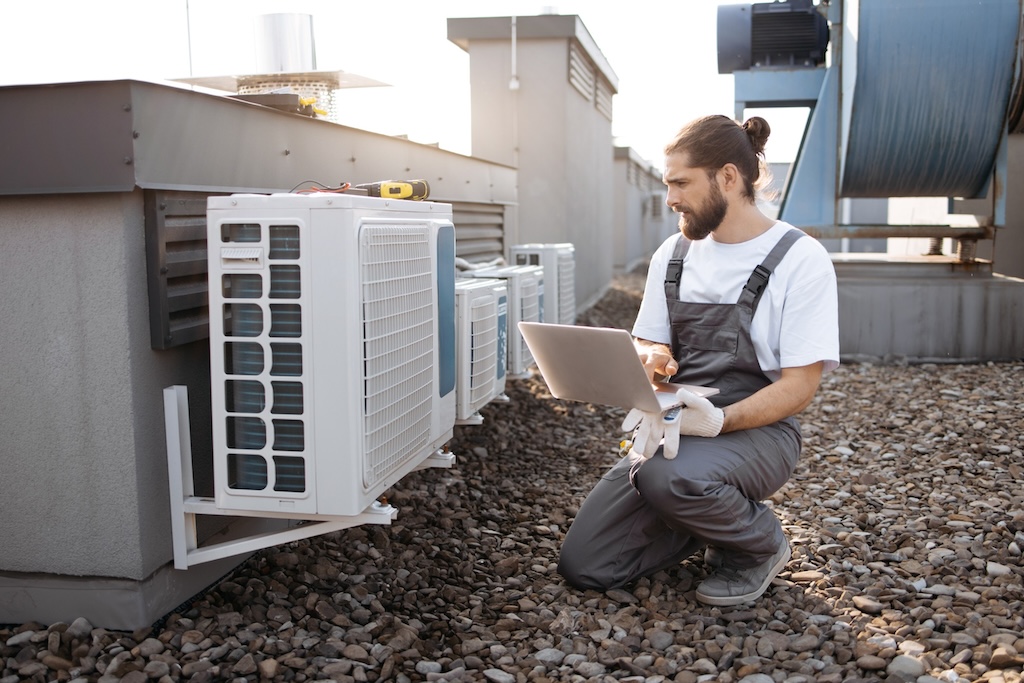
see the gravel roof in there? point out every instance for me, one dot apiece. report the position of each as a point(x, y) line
point(905, 515)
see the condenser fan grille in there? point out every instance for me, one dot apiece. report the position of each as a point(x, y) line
point(484, 352)
point(398, 344)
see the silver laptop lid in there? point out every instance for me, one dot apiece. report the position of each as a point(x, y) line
point(597, 365)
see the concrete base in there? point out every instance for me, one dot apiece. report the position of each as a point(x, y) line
point(116, 604)
point(927, 309)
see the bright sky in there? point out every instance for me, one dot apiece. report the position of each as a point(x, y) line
point(664, 55)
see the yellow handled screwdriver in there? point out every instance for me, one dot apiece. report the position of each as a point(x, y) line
point(397, 189)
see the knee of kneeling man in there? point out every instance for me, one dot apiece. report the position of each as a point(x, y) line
point(664, 480)
point(655, 481)
point(580, 567)
point(580, 576)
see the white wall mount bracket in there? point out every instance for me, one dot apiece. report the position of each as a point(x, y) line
point(250, 533)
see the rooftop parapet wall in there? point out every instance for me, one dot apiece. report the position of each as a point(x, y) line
point(113, 136)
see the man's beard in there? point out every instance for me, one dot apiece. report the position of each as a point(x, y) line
point(705, 220)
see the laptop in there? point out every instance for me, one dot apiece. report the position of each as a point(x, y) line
point(598, 365)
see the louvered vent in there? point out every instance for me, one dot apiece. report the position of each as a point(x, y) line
point(263, 387)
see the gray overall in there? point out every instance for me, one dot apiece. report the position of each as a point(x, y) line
point(647, 515)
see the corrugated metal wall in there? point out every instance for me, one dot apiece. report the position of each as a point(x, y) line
point(479, 231)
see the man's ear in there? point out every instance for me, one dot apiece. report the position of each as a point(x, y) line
point(730, 177)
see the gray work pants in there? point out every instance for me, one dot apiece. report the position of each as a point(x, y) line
point(648, 515)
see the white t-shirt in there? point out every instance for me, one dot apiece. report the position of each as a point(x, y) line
point(797, 319)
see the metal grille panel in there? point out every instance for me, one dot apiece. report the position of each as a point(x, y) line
point(398, 345)
point(567, 287)
point(484, 353)
point(582, 74)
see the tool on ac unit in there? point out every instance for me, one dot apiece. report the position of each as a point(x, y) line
point(396, 189)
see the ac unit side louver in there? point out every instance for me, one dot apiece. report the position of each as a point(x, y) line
point(559, 262)
point(481, 309)
point(526, 303)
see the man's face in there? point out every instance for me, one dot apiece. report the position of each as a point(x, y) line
point(695, 196)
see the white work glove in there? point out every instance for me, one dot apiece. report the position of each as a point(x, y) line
point(696, 417)
point(650, 433)
point(701, 417)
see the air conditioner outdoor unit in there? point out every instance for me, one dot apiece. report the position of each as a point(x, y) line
point(526, 302)
point(559, 261)
point(332, 347)
point(481, 315)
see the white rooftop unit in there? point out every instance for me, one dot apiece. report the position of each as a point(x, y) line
point(332, 347)
point(526, 303)
point(481, 316)
point(559, 262)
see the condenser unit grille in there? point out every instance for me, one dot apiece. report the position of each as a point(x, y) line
point(483, 361)
point(567, 287)
point(398, 344)
point(530, 312)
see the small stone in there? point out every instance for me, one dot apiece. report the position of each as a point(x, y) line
point(156, 669)
point(550, 656)
point(498, 676)
point(619, 595)
point(192, 668)
point(473, 645)
point(150, 647)
point(425, 667)
point(757, 678)
point(79, 629)
point(356, 653)
point(871, 663)
point(19, 639)
point(56, 663)
point(269, 668)
point(804, 643)
point(245, 666)
point(867, 605)
point(905, 668)
point(660, 639)
point(996, 569)
point(591, 669)
point(1005, 657)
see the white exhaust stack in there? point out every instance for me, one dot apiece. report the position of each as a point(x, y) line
point(284, 44)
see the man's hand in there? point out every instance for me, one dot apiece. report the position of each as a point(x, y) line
point(650, 433)
point(700, 417)
point(657, 358)
point(696, 417)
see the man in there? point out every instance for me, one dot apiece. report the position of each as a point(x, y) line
point(739, 302)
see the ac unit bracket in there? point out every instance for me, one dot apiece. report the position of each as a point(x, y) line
point(250, 533)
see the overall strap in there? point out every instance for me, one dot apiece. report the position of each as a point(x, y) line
point(674, 271)
point(758, 280)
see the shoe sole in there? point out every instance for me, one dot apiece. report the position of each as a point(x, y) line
point(729, 600)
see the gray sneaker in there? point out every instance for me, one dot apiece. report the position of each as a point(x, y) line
point(713, 557)
point(734, 586)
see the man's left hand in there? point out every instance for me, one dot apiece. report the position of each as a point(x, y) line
point(650, 429)
point(696, 417)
